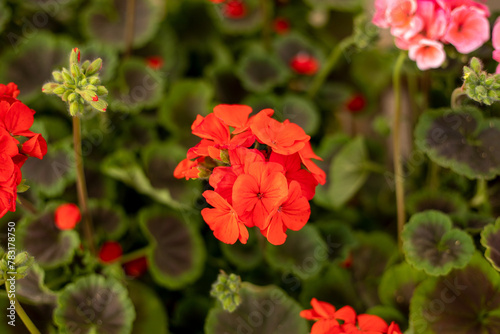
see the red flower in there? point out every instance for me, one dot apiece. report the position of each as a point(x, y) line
point(36, 146)
point(235, 9)
point(283, 138)
point(306, 154)
point(292, 214)
point(257, 193)
point(217, 1)
point(368, 324)
point(223, 219)
point(137, 267)
point(67, 216)
point(356, 103)
point(155, 62)
point(110, 251)
point(10, 90)
point(394, 328)
point(234, 115)
point(326, 316)
point(281, 25)
point(294, 172)
point(16, 118)
point(304, 63)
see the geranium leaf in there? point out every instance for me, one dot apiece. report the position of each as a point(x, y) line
point(51, 175)
point(465, 301)
point(490, 238)
point(177, 255)
point(106, 22)
point(341, 5)
point(32, 287)
point(290, 45)
point(260, 72)
point(94, 304)
point(262, 310)
point(299, 254)
point(339, 239)
point(431, 243)
point(40, 237)
point(106, 53)
point(462, 140)
point(301, 112)
point(448, 202)
point(397, 286)
point(245, 256)
point(137, 87)
point(151, 316)
point(389, 314)
point(347, 172)
point(110, 221)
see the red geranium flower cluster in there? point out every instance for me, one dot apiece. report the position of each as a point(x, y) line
point(332, 321)
point(15, 122)
point(261, 172)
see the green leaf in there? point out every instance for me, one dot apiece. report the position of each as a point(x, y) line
point(177, 254)
point(490, 239)
point(398, 284)
point(151, 316)
point(339, 238)
point(301, 112)
point(304, 253)
point(448, 202)
point(122, 165)
point(106, 21)
point(340, 5)
point(262, 310)
point(244, 256)
point(5, 14)
point(30, 62)
point(389, 314)
point(108, 55)
point(137, 87)
point(431, 243)
point(110, 221)
point(186, 100)
point(260, 72)
point(51, 175)
point(347, 172)
point(462, 140)
point(465, 301)
point(94, 304)
point(39, 236)
point(33, 289)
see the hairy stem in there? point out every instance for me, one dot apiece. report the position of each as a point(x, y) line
point(396, 145)
point(81, 185)
point(20, 311)
point(141, 252)
point(129, 26)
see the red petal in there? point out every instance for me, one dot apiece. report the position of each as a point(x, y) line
point(275, 232)
point(326, 310)
point(234, 115)
point(36, 146)
point(6, 167)
point(110, 251)
point(212, 128)
point(18, 119)
point(347, 314)
point(67, 216)
point(330, 326)
point(295, 210)
point(369, 322)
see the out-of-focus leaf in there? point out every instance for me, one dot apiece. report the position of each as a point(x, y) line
point(431, 243)
point(300, 111)
point(177, 254)
point(447, 202)
point(5, 14)
point(244, 256)
point(462, 140)
point(266, 310)
point(94, 304)
point(150, 315)
point(304, 253)
point(464, 301)
point(106, 21)
point(109, 220)
point(33, 288)
point(339, 239)
point(490, 238)
point(39, 236)
point(340, 5)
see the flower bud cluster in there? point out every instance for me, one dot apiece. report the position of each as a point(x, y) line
point(480, 85)
point(226, 290)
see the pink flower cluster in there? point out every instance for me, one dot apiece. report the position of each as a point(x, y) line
point(423, 27)
point(496, 43)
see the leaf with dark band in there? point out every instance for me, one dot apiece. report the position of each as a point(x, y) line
point(490, 238)
point(466, 301)
point(447, 202)
point(263, 310)
point(461, 140)
point(177, 255)
point(431, 243)
point(40, 237)
point(94, 304)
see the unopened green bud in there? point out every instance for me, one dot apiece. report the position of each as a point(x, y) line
point(57, 76)
point(100, 105)
point(94, 80)
point(85, 65)
point(21, 258)
point(101, 91)
point(66, 95)
point(88, 95)
point(94, 67)
point(83, 82)
point(72, 97)
point(481, 91)
point(67, 76)
point(49, 87)
point(59, 90)
point(476, 65)
point(91, 87)
point(75, 71)
point(74, 57)
point(489, 81)
point(74, 107)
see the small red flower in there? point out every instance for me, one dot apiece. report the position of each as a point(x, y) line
point(305, 64)
point(356, 103)
point(110, 251)
point(235, 9)
point(10, 90)
point(326, 316)
point(36, 146)
point(137, 267)
point(67, 216)
point(223, 219)
point(16, 118)
point(281, 25)
point(155, 62)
